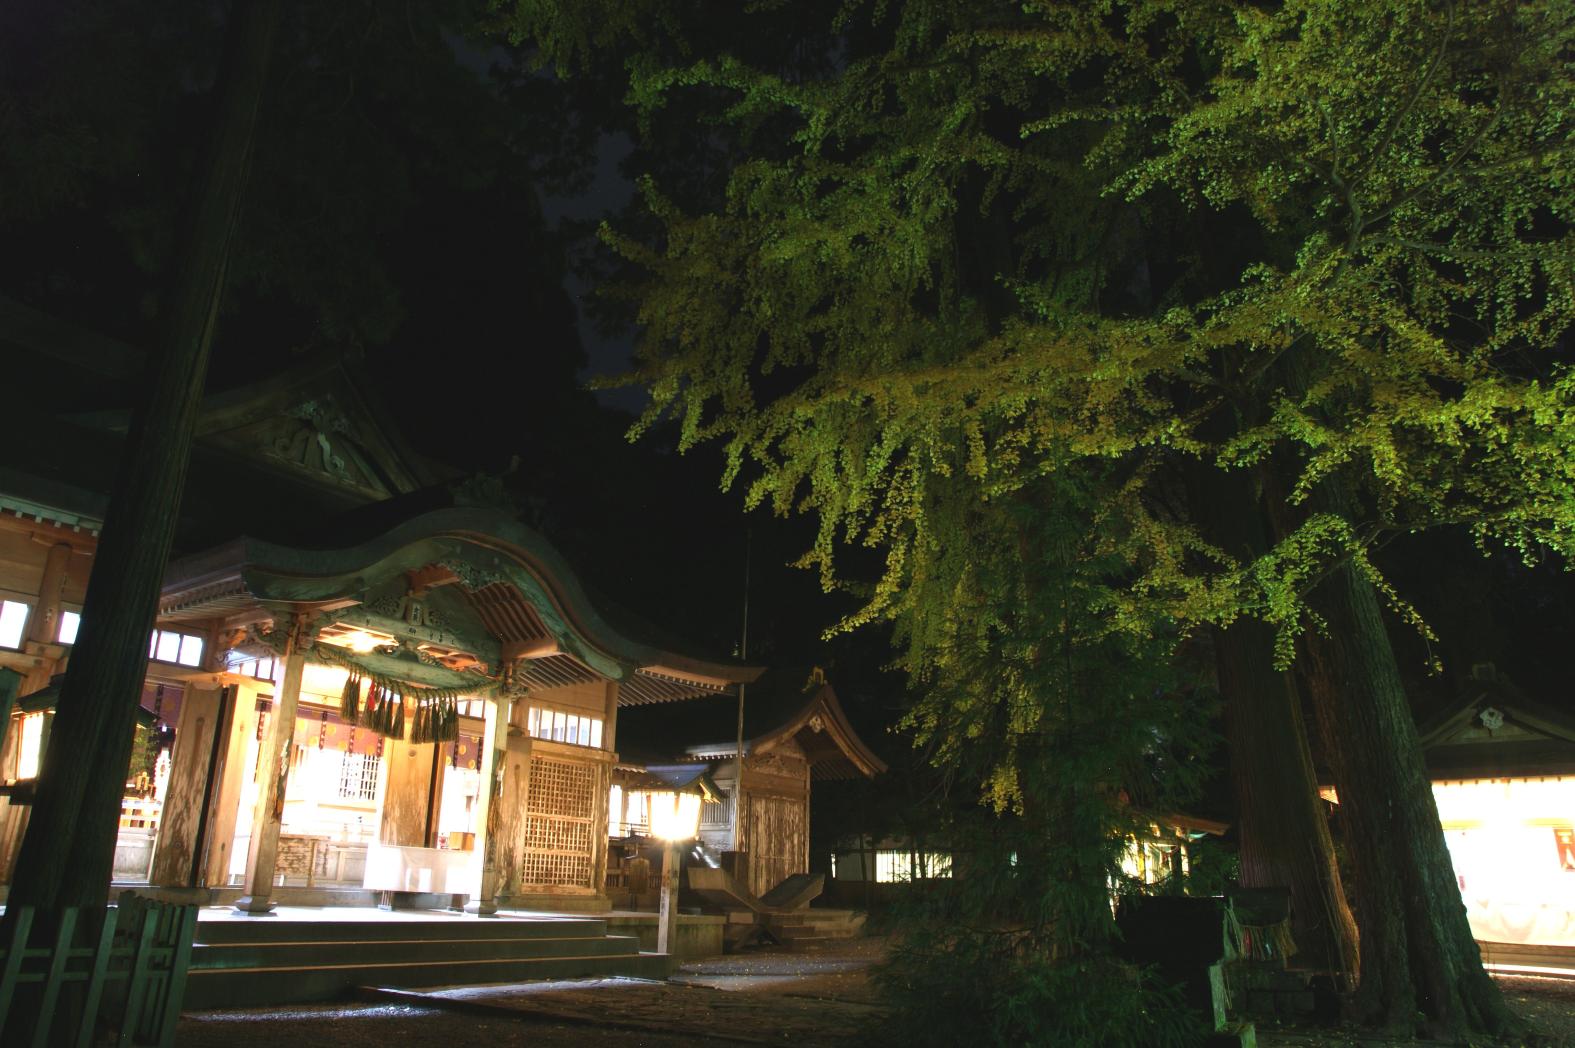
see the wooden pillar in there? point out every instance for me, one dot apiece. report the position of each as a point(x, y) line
point(10, 684)
point(407, 795)
point(181, 821)
point(602, 772)
point(610, 718)
point(489, 838)
point(512, 822)
point(667, 918)
point(274, 779)
point(13, 818)
point(44, 626)
point(230, 773)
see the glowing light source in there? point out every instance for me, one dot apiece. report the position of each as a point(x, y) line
point(31, 746)
point(674, 816)
point(360, 641)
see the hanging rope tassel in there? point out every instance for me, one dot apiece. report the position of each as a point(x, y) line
point(399, 718)
point(350, 700)
point(449, 714)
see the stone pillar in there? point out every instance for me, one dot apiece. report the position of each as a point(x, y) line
point(180, 824)
point(610, 718)
point(489, 811)
point(230, 772)
point(44, 625)
point(407, 794)
point(274, 779)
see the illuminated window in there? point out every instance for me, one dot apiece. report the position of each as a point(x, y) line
point(561, 726)
point(70, 621)
point(13, 617)
point(29, 748)
point(257, 669)
point(718, 814)
point(183, 649)
point(358, 776)
point(898, 866)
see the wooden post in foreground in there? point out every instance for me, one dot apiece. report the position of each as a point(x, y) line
point(68, 853)
point(667, 918)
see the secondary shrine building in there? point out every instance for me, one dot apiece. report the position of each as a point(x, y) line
point(364, 678)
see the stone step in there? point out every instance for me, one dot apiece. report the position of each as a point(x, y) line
point(248, 987)
point(830, 918)
point(309, 953)
point(813, 931)
point(438, 926)
point(239, 962)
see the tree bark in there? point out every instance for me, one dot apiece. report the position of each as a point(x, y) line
point(1284, 835)
point(1417, 953)
point(68, 853)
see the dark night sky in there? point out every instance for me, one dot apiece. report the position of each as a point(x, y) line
point(402, 180)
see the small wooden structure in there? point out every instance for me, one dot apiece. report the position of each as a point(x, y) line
point(795, 734)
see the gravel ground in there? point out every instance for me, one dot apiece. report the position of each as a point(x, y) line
point(819, 996)
point(387, 1026)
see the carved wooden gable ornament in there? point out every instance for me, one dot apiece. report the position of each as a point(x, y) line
point(316, 440)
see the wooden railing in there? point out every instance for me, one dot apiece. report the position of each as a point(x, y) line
point(134, 973)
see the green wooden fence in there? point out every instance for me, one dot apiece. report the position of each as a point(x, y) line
point(132, 976)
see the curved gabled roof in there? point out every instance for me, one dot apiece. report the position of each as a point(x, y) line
point(528, 588)
point(821, 729)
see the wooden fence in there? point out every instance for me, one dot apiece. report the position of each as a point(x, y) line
point(132, 977)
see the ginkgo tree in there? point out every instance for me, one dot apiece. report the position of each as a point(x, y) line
point(1268, 284)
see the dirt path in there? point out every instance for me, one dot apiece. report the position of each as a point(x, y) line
point(1547, 1005)
point(804, 998)
point(819, 996)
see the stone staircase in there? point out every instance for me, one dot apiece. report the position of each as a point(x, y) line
point(812, 925)
point(274, 960)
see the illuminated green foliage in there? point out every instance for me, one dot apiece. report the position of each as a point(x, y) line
point(995, 262)
point(927, 274)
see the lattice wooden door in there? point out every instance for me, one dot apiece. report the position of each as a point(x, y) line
point(558, 824)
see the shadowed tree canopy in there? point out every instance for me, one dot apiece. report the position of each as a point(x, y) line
point(394, 209)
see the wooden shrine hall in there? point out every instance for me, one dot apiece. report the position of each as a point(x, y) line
point(390, 686)
point(442, 694)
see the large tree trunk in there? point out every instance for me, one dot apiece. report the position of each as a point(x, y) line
point(1284, 834)
point(1285, 839)
point(68, 853)
point(1417, 953)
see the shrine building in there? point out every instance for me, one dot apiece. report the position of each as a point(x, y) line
point(366, 681)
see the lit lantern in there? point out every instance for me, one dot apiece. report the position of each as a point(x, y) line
point(675, 816)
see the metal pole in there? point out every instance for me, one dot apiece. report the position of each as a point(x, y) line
point(738, 751)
